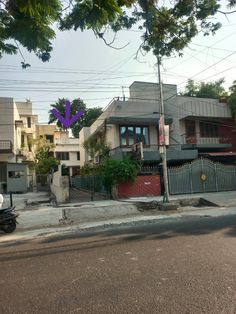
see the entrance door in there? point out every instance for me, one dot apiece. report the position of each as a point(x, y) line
point(190, 132)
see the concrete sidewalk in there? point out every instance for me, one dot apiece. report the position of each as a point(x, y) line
point(226, 199)
point(47, 231)
point(35, 214)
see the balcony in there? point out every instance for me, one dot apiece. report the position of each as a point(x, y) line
point(152, 154)
point(6, 147)
point(25, 129)
point(67, 141)
point(198, 142)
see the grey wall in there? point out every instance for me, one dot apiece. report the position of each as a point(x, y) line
point(17, 184)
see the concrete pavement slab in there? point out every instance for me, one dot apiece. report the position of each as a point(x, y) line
point(100, 210)
point(42, 231)
point(42, 217)
point(21, 200)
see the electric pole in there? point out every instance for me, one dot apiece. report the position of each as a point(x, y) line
point(163, 143)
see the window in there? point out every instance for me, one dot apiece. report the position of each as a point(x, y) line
point(49, 138)
point(78, 155)
point(130, 135)
point(29, 122)
point(208, 129)
point(62, 155)
point(50, 154)
point(22, 140)
point(15, 174)
point(29, 142)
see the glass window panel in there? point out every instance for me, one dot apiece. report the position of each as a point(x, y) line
point(145, 136)
point(208, 130)
point(130, 135)
point(138, 132)
point(123, 135)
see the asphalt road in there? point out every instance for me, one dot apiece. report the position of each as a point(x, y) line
point(184, 266)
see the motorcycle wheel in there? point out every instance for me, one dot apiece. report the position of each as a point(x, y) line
point(9, 228)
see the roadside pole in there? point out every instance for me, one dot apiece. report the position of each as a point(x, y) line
point(163, 143)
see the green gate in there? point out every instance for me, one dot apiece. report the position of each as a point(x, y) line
point(201, 175)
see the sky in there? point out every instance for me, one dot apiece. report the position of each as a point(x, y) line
point(83, 66)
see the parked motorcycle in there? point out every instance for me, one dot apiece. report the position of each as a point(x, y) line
point(8, 219)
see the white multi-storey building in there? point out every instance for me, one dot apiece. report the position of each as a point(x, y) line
point(67, 150)
point(17, 144)
point(17, 130)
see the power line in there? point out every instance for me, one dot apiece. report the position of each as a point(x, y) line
point(209, 47)
point(218, 41)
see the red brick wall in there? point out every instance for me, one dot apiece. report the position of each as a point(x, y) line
point(143, 186)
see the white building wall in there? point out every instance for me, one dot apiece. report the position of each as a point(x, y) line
point(83, 136)
point(24, 108)
point(7, 119)
point(10, 112)
point(16, 130)
point(112, 135)
point(70, 145)
point(8, 115)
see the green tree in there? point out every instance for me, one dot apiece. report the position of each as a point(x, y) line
point(205, 89)
point(232, 99)
point(44, 158)
point(119, 171)
point(113, 172)
point(28, 23)
point(190, 89)
point(60, 105)
point(97, 146)
point(90, 116)
point(167, 27)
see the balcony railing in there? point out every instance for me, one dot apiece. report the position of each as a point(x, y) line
point(66, 141)
point(6, 147)
point(198, 140)
point(151, 153)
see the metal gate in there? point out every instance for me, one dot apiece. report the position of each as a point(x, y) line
point(88, 188)
point(202, 175)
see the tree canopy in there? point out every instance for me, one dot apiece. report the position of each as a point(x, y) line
point(44, 158)
point(213, 89)
point(232, 99)
point(167, 27)
point(90, 116)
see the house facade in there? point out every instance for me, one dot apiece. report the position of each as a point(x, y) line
point(197, 126)
point(67, 150)
point(18, 130)
point(17, 144)
point(46, 131)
